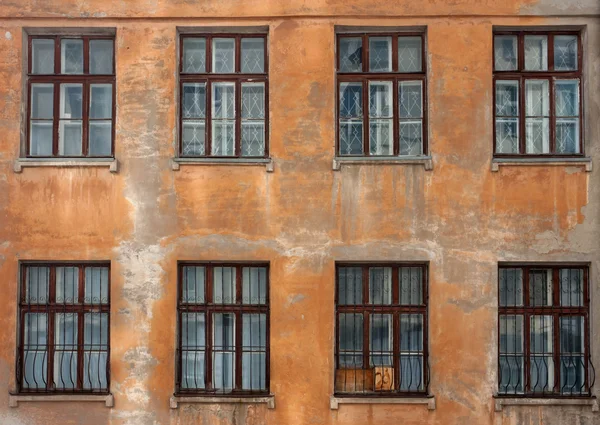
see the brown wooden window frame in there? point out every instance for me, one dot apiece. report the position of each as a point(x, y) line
point(237, 77)
point(395, 77)
point(209, 307)
point(56, 79)
point(556, 310)
point(51, 307)
point(396, 309)
point(552, 76)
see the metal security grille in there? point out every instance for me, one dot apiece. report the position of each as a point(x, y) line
point(64, 312)
point(543, 328)
point(381, 329)
point(223, 341)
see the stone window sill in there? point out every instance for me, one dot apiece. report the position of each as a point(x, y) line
point(334, 401)
point(15, 399)
point(110, 163)
point(425, 161)
point(500, 402)
point(268, 400)
point(264, 162)
point(501, 162)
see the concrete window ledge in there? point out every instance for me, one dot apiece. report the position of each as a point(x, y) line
point(111, 164)
point(500, 402)
point(268, 400)
point(429, 401)
point(15, 399)
point(501, 162)
point(260, 162)
point(425, 161)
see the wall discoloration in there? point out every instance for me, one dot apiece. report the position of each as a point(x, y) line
point(460, 218)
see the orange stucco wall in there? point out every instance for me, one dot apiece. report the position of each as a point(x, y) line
point(302, 218)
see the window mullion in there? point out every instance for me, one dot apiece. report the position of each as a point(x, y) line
point(50, 319)
point(56, 121)
point(238, 350)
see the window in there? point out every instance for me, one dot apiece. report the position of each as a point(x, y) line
point(223, 313)
point(224, 96)
point(544, 331)
point(71, 90)
point(64, 314)
point(537, 96)
point(382, 107)
point(381, 329)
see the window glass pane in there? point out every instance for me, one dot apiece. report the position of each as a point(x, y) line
point(254, 371)
point(224, 279)
point(192, 369)
point(71, 53)
point(380, 99)
point(223, 100)
point(537, 125)
point(223, 137)
point(101, 102)
point(253, 115)
point(253, 100)
point(254, 339)
point(409, 54)
point(411, 333)
point(351, 115)
point(381, 340)
point(42, 101)
point(194, 55)
point(410, 99)
point(380, 54)
point(223, 50)
point(507, 98)
point(572, 359)
point(96, 285)
point(511, 287)
point(540, 288)
point(351, 100)
point(536, 52)
point(381, 134)
point(254, 285)
point(411, 372)
point(42, 56)
point(193, 329)
point(101, 56)
point(350, 54)
point(351, 137)
point(567, 98)
point(223, 351)
point(254, 334)
point(100, 138)
point(95, 370)
point(571, 287)
point(35, 361)
point(253, 55)
point(512, 374)
point(541, 360)
point(411, 352)
point(40, 138)
point(194, 136)
point(411, 285)
point(67, 284)
point(71, 98)
point(193, 284)
point(565, 52)
point(193, 346)
point(507, 105)
point(511, 334)
point(95, 331)
point(194, 100)
point(65, 350)
point(505, 52)
point(411, 137)
point(349, 285)
point(223, 125)
point(380, 285)
point(37, 282)
point(380, 106)
point(253, 138)
point(351, 340)
point(69, 138)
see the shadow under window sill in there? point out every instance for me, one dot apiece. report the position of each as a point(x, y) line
point(111, 163)
point(15, 399)
point(428, 400)
point(175, 400)
point(537, 161)
point(501, 401)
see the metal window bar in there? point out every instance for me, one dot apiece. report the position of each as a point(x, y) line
point(224, 348)
point(543, 331)
point(60, 349)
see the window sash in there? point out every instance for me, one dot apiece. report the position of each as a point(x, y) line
point(76, 356)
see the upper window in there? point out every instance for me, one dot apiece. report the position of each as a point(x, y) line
point(223, 96)
point(64, 312)
point(223, 315)
point(381, 329)
point(543, 321)
point(71, 87)
point(382, 107)
point(537, 77)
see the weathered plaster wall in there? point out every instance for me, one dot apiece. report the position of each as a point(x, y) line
point(302, 218)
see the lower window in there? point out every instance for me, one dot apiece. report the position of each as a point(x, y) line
point(64, 313)
point(544, 331)
point(381, 329)
point(223, 338)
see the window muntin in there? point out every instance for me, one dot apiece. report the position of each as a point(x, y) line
point(381, 329)
point(224, 96)
point(544, 331)
point(71, 85)
point(537, 94)
point(223, 329)
point(381, 95)
point(64, 312)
